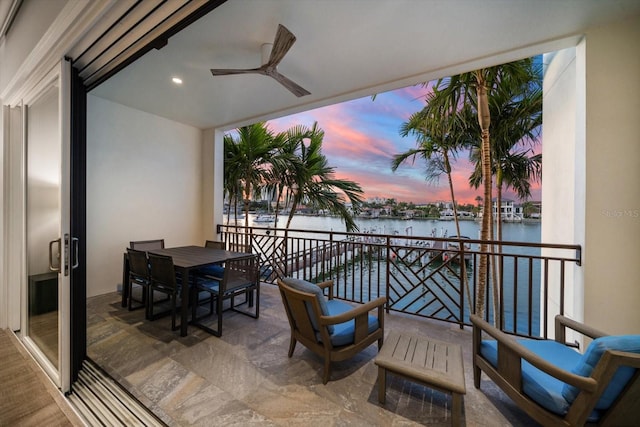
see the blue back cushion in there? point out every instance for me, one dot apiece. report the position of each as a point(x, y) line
point(589, 360)
point(310, 288)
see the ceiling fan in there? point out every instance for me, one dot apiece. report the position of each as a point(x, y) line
point(281, 45)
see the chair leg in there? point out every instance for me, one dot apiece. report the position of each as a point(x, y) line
point(194, 303)
point(292, 345)
point(327, 370)
point(257, 301)
point(129, 292)
point(130, 298)
point(476, 376)
point(149, 305)
point(219, 300)
point(173, 312)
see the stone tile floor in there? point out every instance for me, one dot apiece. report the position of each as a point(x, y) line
point(246, 378)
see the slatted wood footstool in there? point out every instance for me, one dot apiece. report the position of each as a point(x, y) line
point(435, 364)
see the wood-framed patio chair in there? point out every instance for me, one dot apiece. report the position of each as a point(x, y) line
point(557, 385)
point(333, 329)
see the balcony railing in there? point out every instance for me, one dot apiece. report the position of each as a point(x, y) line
point(432, 277)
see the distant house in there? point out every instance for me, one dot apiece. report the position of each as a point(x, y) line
point(509, 210)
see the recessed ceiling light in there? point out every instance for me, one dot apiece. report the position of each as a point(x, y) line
point(176, 80)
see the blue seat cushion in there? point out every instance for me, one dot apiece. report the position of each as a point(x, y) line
point(591, 357)
point(212, 270)
point(310, 288)
point(210, 285)
point(344, 333)
point(536, 384)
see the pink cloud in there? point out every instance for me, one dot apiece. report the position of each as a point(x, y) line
point(361, 137)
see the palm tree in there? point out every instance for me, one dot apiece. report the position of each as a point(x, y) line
point(475, 88)
point(311, 180)
point(439, 138)
point(246, 162)
point(232, 183)
point(516, 112)
point(285, 164)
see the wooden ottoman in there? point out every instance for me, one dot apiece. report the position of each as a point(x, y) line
point(436, 364)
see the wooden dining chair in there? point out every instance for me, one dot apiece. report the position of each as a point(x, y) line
point(162, 276)
point(214, 244)
point(240, 278)
point(216, 270)
point(146, 245)
point(138, 277)
point(240, 247)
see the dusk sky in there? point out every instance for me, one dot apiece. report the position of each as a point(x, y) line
point(361, 137)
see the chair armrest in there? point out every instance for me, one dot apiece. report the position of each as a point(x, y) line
point(514, 352)
point(353, 313)
point(562, 323)
point(328, 284)
point(208, 277)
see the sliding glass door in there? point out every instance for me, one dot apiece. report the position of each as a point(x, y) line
point(46, 286)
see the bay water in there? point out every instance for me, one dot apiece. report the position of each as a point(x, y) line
point(529, 232)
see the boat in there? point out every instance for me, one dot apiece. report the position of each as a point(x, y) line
point(265, 218)
point(454, 250)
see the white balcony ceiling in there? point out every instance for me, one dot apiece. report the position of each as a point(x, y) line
point(345, 49)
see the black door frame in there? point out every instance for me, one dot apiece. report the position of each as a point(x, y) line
point(78, 223)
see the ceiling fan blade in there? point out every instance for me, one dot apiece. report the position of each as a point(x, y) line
point(295, 88)
point(281, 45)
point(225, 71)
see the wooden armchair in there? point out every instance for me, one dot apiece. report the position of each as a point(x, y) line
point(240, 277)
point(330, 328)
point(554, 383)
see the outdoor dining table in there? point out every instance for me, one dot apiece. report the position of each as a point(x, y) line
point(185, 260)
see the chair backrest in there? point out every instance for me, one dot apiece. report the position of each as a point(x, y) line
point(240, 273)
point(240, 247)
point(138, 264)
point(213, 244)
point(145, 245)
point(302, 308)
point(591, 358)
point(161, 271)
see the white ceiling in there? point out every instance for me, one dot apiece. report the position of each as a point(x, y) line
point(345, 49)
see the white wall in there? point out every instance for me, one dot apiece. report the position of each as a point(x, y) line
point(612, 247)
point(591, 175)
point(563, 176)
point(212, 182)
point(144, 181)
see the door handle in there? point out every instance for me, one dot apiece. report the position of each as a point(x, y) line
point(53, 258)
point(75, 252)
point(66, 254)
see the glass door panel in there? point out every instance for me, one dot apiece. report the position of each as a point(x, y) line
point(46, 297)
point(43, 221)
